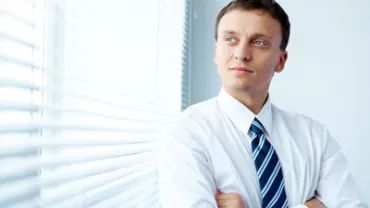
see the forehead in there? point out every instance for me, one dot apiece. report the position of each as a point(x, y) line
point(248, 22)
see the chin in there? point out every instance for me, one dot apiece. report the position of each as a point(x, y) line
point(239, 87)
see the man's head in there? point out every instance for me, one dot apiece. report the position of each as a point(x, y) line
point(251, 40)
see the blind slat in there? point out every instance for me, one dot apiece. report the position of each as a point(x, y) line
point(112, 84)
point(17, 18)
point(162, 110)
point(128, 162)
point(154, 200)
point(26, 187)
point(18, 191)
point(155, 116)
point(15, 145)
point(150, 195)
point(11, 38)
point(25, 203)
point(16, 106)
point(19, 62)
point(87, 169)
point(132, 197)
point(91, 192)
point(18, 84)
point(19, 176)
point(69, 126)
point(12, 199)
point(10, 170)
point(26, 152)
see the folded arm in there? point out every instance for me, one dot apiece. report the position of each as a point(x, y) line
point(185, 173)
point(336, 186)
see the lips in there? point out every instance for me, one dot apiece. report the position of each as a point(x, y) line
point(241, 68)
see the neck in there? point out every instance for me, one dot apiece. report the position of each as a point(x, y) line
point(254, 101)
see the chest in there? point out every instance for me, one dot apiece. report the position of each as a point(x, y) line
point(234, 169)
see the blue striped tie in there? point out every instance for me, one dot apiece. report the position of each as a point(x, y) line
point(268, 169)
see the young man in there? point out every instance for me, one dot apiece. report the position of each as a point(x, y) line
point(240, 150)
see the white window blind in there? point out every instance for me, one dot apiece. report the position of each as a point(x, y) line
point(20, 97)
point(86, 87)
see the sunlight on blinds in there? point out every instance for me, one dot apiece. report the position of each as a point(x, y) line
point(86, 87)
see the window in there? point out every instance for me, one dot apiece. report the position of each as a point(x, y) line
point(85, 89)
point(21, 70)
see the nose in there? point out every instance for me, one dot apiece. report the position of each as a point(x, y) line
point(243, 52)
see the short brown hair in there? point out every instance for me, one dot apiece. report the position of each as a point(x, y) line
point(272, 7)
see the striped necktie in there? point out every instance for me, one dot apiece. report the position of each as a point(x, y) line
point(268, 169)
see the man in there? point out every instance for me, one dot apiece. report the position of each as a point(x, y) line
point(240, 150)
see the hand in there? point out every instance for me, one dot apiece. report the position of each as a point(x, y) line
point(314, 203)
point(230, 200)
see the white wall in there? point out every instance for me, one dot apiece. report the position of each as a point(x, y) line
point(326, 76)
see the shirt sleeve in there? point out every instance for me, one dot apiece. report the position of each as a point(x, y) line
point(185, 173)
point(299, 206)
point(336, 186)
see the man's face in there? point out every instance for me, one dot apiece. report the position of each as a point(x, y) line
point(248, 50)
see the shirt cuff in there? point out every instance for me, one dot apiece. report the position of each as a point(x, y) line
point(300, 206)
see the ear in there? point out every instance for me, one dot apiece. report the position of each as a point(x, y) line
point(282, 60)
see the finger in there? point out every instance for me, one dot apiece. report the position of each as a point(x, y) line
point(222, 203)
point(218, 192)
point(228, 203)
point(229, 196)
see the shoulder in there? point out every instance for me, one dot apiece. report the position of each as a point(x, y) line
point(297, 120)
point(193, 126)
point(306, 129)
point(201, 111)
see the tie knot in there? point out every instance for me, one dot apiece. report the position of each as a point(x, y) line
point(256, 127)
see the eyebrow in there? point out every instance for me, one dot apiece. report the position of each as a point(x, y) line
point(231, 32)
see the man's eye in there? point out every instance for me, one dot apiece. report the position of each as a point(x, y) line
point(260, 43)
point(231, 40)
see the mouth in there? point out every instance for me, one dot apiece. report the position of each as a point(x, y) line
point(241, 69)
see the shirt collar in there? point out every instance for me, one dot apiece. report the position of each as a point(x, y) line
point(241, 116)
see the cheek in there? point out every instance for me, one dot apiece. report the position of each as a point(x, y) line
point(266, 64)
point(225, 53)
point(266, 61)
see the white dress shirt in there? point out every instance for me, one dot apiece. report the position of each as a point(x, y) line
point(209, 148)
